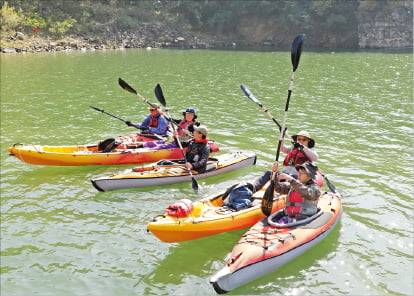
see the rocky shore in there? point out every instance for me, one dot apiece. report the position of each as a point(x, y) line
point(151, 36)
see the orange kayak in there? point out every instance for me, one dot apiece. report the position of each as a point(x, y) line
point(268, 245)
point(90, 155)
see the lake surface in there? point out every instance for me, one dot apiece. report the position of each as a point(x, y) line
point(59, 236)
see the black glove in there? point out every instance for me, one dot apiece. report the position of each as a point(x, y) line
point(298, 145)
point(144, 128)
point(129, 123)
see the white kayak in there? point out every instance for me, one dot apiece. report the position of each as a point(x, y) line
point(157, 174)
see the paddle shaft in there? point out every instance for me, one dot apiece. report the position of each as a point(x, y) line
point(160, 96)
point(103, 111)
point(249, 94)
point(296, 51)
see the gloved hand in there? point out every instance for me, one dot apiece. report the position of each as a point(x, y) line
point(143, 128)
point(129, 123)
point(298, 145)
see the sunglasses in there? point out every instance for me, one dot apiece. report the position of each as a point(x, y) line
point(302, 139)
point(152, 109)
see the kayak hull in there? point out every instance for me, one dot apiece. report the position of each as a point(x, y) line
point(209, 217)
point(172, 174)
point(89, 155)
point(265, 248)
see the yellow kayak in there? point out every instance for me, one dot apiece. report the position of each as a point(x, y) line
point(209, 217)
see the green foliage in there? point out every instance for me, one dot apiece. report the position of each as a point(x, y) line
point(60, 28)
point(10, 19)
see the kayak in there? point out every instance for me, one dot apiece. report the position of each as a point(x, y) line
point(209, 217)
point(158, 174)
point(269, 244)
point(90, 154)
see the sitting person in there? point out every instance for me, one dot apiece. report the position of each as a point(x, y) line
point(299, 152)
point(186, 125)
point(154, 123)
point(302, 194)
point(197, 152)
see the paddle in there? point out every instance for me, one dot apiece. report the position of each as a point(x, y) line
point(249, 94)
point(128, 88)
point(160, 96)
point(331, 186)
point(296, 52)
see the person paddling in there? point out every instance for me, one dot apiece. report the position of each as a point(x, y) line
point(197, 152)
point(302, 194)
point(154, 123)
point(299, 152)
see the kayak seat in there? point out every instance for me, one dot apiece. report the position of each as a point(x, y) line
point(211, 166)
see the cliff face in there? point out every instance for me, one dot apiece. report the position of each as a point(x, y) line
point(393, 30)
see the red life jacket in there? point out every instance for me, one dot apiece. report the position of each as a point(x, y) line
point(294, 204)
point(153, 121)
point(295, 157)
point(183, 124)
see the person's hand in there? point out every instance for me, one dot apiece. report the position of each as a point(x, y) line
point(129, 123)
point(283, 176)
point(188, 165)
point(143, 128)
point(298, 145)
point(275, 167)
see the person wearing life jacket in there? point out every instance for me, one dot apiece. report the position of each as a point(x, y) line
point(198, 150)
point(154, 123)
point(186, 124)
point(302, 194)
point(299, 152)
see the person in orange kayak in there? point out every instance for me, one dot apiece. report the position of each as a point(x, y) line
point(154, 123)
point(186, 124)
point(302, 194)
point(299, 152)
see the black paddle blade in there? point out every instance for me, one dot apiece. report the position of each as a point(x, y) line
point(97, 109)
point(126, 86)
point(296, 50)
point(331, 186)
point(160, 95)
point(195, 185)
point(267, 202)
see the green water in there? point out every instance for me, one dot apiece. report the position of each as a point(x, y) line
point(59, 236)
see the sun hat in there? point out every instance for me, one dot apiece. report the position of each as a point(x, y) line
point(190, 110)
point(309, 168)
point(154, 106)
point(307, 135)
point(201, 129)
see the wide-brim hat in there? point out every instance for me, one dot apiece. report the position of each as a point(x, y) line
point(307, 135)
point(309, 167)
point(201, 129)
point(154, 106)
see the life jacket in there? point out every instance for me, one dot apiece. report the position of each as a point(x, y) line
point(154, 120)
point(295, 157)
point(296, 206)
point(183, 124)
